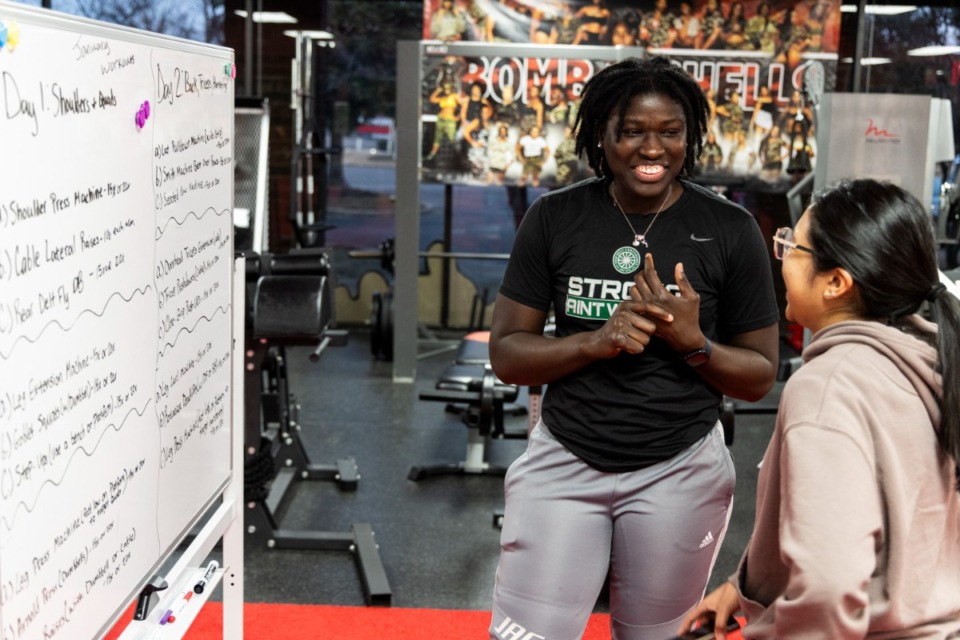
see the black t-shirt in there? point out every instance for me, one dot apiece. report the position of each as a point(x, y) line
point(573, 251)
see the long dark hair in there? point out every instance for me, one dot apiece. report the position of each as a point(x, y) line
point(611, 90)
point(883, 236)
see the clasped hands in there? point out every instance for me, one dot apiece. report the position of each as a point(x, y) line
point(652, 310)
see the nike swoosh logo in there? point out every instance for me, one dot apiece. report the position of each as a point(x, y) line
point(694, 237)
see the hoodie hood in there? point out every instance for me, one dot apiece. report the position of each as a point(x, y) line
point(916, 358)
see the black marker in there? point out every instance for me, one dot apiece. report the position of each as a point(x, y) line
point(211, 569)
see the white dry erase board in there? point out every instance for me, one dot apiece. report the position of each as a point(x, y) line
point(116, 272)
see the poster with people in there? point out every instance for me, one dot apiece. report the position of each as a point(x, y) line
point(749, 55)
point(785, 29)
point(493, 120)
point(508, 120)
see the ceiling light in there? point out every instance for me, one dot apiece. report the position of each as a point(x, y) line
point(276, 17)
point(867, 62)
point(880, 10)
point(316, 35)
point(934, 50)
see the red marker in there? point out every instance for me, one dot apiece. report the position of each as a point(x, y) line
point(183, 603)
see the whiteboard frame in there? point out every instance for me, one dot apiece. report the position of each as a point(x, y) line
point(225, 522)
point(79, 24)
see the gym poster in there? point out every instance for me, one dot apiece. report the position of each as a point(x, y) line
point(498, 120)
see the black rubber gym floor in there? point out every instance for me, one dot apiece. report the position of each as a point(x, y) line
point(437, 540)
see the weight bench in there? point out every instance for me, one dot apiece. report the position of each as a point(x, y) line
point(471, 384)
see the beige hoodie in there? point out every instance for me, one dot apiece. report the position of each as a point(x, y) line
point(857, 531)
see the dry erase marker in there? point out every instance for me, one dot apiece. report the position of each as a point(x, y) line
point(183, 603)
point(211, 569)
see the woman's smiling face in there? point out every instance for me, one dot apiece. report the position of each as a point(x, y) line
point(650, 152)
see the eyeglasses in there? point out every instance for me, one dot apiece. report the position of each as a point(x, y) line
point(783, 240)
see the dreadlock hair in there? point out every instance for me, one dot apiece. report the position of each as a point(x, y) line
point(610, 91)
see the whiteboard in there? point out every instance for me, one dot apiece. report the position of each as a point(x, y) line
point(116, 263)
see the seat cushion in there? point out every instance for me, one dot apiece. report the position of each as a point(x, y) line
point(469, 377)
point(474, 348)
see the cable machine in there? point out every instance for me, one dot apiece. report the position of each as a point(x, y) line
point(309, 158)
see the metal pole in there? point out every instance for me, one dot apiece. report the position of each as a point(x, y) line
point(858, 47)
point(248, 50)
point(447, 247)
point(260, 52)
point(407, 217)
point(296, 104)
point(307, 132)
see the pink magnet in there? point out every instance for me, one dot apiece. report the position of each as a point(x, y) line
point(142, 114)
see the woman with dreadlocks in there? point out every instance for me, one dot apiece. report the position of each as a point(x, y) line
point(627, 470)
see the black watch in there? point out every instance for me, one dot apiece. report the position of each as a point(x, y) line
point(699, 356)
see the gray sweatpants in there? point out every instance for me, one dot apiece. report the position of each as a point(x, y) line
point(657, 529)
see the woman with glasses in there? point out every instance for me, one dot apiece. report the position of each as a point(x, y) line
point(857, 531)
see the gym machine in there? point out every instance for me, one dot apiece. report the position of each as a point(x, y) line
point(310, 156)
point(381, 307)
point(289, 302)
point(470, 387)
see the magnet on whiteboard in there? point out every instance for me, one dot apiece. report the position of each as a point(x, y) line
point(142, 114)
point(13, 35)
point(9, 34)
point(230, 69)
